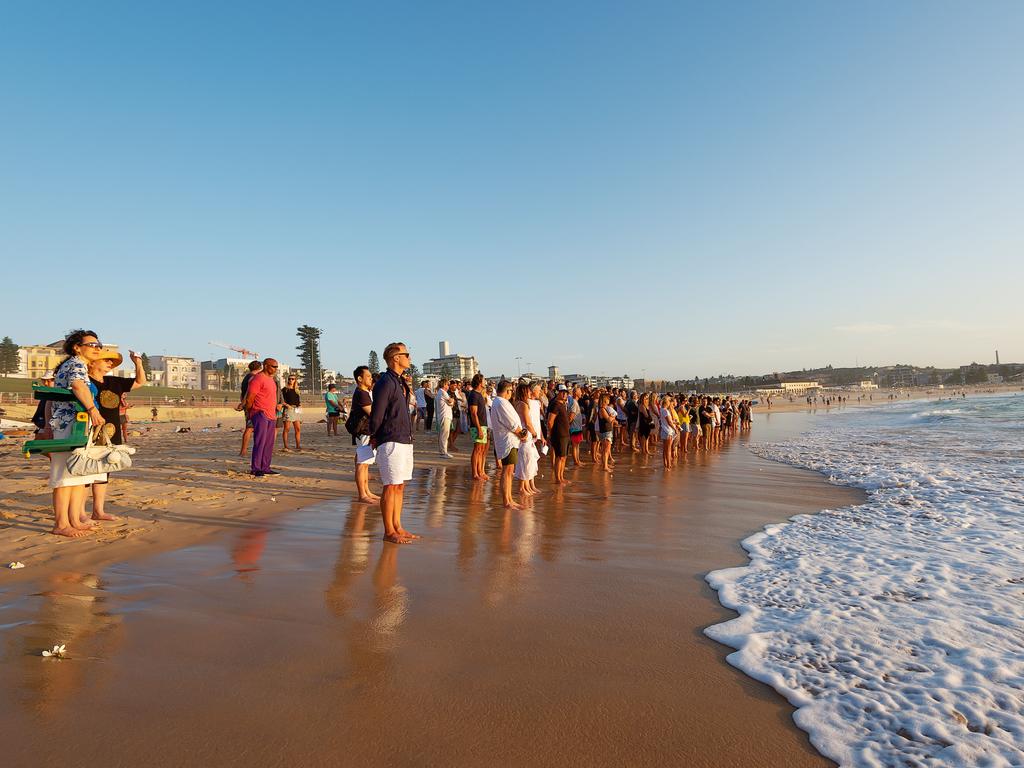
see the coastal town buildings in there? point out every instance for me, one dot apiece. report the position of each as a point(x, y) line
point(178, 372)
point(449, 364)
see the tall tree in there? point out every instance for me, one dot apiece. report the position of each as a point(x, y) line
point(8, 356)
point(309, 355)
point(373, 363)
point(415, 373)
point(145, 365)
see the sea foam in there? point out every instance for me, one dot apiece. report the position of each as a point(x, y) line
point(896, 627)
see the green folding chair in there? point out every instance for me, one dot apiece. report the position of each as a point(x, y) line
point(79, 429)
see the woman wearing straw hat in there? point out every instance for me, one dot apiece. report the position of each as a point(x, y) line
point(109, 392)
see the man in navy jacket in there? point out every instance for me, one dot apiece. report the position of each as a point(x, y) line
point(391, 436)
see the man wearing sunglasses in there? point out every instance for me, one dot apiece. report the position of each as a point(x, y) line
point(391, 437)
point(261, 403)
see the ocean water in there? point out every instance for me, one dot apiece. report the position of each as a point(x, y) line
point(896, 627)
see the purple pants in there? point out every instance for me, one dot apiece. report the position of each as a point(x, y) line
point(262, 442)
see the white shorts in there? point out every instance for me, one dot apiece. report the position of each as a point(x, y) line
point(394, 462)
point(364, 454)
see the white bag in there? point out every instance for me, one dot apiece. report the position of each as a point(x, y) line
point(95, 459)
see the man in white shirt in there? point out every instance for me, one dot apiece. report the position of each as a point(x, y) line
point(443, 413)
point(508, 434)
point(421, 407)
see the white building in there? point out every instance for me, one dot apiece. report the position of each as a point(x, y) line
point(225, 373)
point(798, 387)
point(455, 366)
point(580, 378)
point(553, 373)
point(868, 384)
point(178, 372)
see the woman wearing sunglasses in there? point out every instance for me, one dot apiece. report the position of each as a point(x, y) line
point(70, 491)
point(292, 414)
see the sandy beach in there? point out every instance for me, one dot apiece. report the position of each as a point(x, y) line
point(240, 621)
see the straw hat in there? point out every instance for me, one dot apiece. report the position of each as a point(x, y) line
point(109, 354)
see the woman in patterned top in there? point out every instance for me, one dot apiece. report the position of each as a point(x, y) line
point(69, 491)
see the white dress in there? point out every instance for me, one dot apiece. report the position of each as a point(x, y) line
point(529, 456)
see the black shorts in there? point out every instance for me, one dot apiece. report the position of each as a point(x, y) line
point(560, 445)
point(511, 459)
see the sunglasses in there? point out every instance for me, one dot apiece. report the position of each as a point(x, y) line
point(93, 344)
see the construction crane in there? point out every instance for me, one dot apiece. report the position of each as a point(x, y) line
point(240, 350)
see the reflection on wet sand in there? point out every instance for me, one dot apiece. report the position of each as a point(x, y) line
point(566, 633)
point(391, 600)
point(246, 552)
point(511, 551)
point(71, 610)
point(354, 556)
point(436, 492)
point(371, 611)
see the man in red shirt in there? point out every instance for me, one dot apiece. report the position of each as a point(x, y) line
point(261, 403)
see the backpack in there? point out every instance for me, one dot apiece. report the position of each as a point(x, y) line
point(357, 423)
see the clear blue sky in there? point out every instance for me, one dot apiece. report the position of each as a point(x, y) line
point(612, 187)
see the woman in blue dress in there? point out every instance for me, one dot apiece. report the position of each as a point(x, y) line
point(70, 491)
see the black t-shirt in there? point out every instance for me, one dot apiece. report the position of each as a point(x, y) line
point(291, 397)
point(361, 399)
point(108, 401)
point(560, 429)
point(586, 404)
point(245, 384)
point(706, 415)
point(475, 398)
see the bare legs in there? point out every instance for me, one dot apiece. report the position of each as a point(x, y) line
point(575, 453)
point(559, 469)
point(99, 497)
point(363, 483)
point(297, 428)
point(391, 512)
point(506, 486)
point(246, 437)
point(478, 460)
point(68, 510)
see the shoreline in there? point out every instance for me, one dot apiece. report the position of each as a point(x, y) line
point(720, 714)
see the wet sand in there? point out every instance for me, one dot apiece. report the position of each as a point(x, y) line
point(568, 634)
